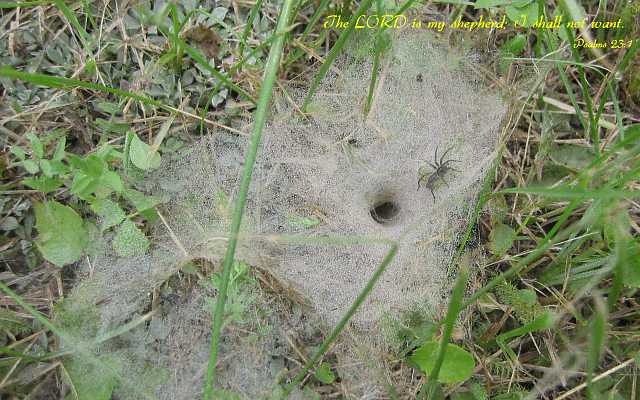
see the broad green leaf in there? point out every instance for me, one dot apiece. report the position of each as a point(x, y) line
point(491, 3)
point(112, 180)
point(324, 374)
point(525, 15)
point(106, 152)
point(129, 240)
point(162, 133)
point(88, 381)
point(501, 238)
point(632, 271)
point(463, 396)
point(110, 213)
point(75, 161)
point(303, 222)
point(150, 215)
point(58, 167)
point(59, 153)
point(458, 364)
point(575, 10)
point(108, 107)
point(94, 166)
point(629, 130)
point(43, 183)
point(53, 167)
point(62, 236)
point(572, 156)
point(18, 152)
point(95, 241)
point(515, 45)
point(36, 145)
point(31, 166)
point(83, 185)
point(521, 3)
point(47, 168)
point(110, 126)
point(141, 201)
point(142, 155)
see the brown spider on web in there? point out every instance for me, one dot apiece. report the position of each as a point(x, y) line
point(441, 167)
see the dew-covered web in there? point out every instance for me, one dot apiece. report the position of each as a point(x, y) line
point(332, 174)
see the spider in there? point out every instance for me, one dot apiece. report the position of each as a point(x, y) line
point(440, 169)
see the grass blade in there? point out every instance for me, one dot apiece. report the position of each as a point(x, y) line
point(565, 81)
point(13, 353)
point(337, 47)
point(454, 308)
point(249, 26)
point(483, 197)
point(598, 334)
point(297, 53)
point(377, 56)
point(35, 313)
point(566, 192)
point(270, 76)
point(204, 63)
point(333, 54)
point(73, 20)
point(550, 239)
point(545, 321)
point(231, 71)
point(345, 319)
point(572, 10)
point(70, 84)
point(16, 4)
point(79, 349)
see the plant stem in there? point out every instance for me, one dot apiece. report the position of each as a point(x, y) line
point(333, 54)
point(343, 322)
point(271, 70)
point(455, 306)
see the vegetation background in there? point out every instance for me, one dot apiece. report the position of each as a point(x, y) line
point(96, 93)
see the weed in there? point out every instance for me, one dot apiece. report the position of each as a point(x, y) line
point(80, 83)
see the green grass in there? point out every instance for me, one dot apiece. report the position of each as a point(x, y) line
point(260, 116)
point(453, 310)
point(583, 229)
point(333, 54)
point(329, 340)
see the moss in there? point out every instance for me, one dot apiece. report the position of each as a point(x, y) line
point(524, 302)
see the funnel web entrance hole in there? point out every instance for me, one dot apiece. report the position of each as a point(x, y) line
point(385, 211)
